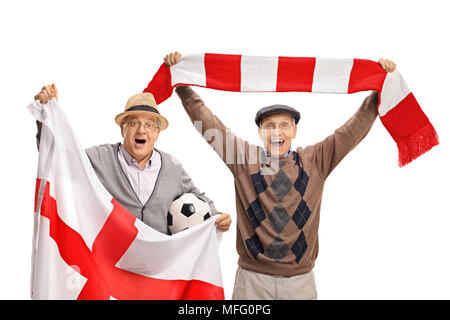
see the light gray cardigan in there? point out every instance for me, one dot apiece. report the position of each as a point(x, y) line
point(171, 183)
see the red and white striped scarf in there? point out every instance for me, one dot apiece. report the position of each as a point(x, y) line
point(397, 107)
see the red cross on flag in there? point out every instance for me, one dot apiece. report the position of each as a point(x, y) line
point(87, 246)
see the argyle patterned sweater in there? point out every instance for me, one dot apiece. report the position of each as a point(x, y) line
point(278, 200)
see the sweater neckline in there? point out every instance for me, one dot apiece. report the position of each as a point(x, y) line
point(124, 176)
point(269, 159)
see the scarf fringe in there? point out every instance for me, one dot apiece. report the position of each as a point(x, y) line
point(417, 144)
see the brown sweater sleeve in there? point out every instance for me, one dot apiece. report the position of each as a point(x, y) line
point(235, 152)
point(328, 153)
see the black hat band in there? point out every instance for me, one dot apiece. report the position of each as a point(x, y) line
point(143, 108)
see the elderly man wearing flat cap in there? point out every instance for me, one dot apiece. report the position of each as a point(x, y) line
point(278, 210)
point(143, 179)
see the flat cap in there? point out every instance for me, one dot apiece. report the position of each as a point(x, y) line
point(276, 108)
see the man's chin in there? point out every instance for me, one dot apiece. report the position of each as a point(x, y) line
point(140, 152)
point(278, 153)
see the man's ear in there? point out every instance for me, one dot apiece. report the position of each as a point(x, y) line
point(261, 134)
point(122, 130)
point(157, 134)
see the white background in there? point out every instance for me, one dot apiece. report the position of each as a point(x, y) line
point(384, 231)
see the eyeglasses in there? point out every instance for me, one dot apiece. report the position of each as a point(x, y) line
point(149, 125)
point(285, 125)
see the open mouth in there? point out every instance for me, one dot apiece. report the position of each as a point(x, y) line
point(140, 142)
point(277, 142)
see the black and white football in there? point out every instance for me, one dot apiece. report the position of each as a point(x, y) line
point(186, 212)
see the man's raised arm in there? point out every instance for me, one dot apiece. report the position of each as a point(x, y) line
point(234, 151)
point(328, 153)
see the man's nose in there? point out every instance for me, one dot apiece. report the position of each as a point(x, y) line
point(141, 128)
point(275, 133)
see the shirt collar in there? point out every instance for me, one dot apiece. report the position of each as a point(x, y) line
point(132, 161)
point(285, 155)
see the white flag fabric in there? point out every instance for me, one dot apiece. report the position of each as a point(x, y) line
point(87, 246)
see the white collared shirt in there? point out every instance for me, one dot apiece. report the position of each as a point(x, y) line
point(285, 156)
point(142, 180)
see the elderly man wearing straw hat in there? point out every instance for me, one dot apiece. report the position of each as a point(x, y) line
point(143, 179)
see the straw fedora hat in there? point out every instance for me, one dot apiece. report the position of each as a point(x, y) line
point(139, 103)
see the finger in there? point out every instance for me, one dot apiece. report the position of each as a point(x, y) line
point(55, 90)
point(389, 66)
point(177, 56)
point(42, 97)
point(220, 219)
point(172, 59)
point(167, 60)
point(223, 221)
point(392, 65)
point(225, 224)
point(220, 228)
point(223, 217)
point(48, 91)
point(52, 91)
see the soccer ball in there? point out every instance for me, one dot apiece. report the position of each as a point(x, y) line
point(187, 211)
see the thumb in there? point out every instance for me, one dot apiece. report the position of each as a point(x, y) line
point(55, 91)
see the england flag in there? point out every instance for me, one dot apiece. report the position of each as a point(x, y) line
point(87, 246)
